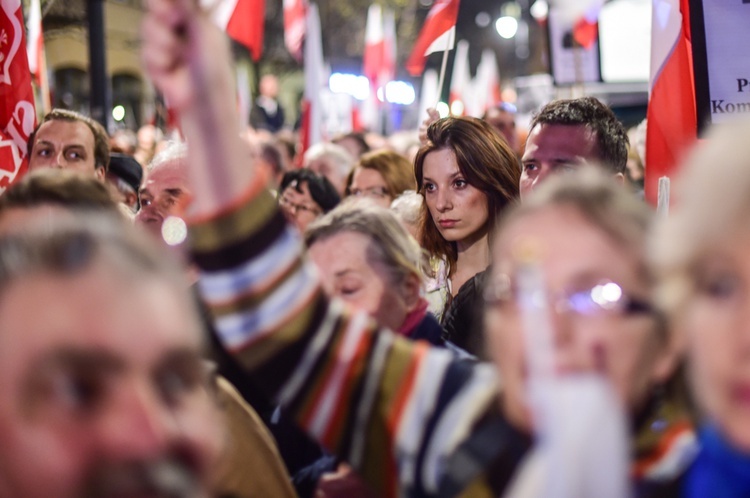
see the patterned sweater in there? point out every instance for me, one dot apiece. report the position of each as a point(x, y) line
point(415, 421)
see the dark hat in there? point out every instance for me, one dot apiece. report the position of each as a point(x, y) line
point(127, 169)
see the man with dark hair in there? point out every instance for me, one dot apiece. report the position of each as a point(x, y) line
point(567, 134)
point(69, 140)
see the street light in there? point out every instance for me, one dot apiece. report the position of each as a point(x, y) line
point(506, 27)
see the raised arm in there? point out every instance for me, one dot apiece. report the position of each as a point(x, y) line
point(188, 60)
point(397, 411)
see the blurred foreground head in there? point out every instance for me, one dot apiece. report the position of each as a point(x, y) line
point(104, 391)
point(586, 235)
point(702, 254)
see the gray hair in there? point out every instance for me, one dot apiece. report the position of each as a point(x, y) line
point(64, 245)
point(394, 247)
point(335, 154)
point(174, 151)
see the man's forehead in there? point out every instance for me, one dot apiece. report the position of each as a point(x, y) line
point(170, 174)
point(59, 129)
point(562, 140)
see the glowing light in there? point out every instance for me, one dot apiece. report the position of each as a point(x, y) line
point(351, 84)
point(606, 295)
point(118, 113)
point(539, 10)
point(174, 230)
point(442, 109)
point(507, 27)
point(400, 92)
point(457, 108)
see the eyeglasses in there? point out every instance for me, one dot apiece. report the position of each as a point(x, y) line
point(295, 208)
point(606, 297)
point(379, 192)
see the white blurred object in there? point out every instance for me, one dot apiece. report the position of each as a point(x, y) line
point(573, 10)
point(582, 445)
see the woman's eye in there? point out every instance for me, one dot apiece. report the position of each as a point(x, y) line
point(460, 183)
point(348, 291)
point(720, 286)
point(428, 187)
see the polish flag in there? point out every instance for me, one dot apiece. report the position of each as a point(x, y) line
point(388, 71)
point(672, 123)
point(486, 87)
point(35, 53)
point(437, 35)
point(17, 113)
point(294, 26)
point(312, 112)
point(374, 46)
point(242, 20)
point(460, 89)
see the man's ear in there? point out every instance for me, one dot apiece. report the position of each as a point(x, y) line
point(99, 172)
point(620, 178)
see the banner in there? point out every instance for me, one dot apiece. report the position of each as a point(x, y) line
point(17, 113)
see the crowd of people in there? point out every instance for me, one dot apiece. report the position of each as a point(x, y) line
point(483, 316)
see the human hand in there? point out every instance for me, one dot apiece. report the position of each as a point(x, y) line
point(432, 116)
point(185, 55)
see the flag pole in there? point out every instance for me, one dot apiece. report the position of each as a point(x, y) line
point(444, 65)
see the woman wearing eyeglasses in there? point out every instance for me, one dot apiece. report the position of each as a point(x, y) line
point(702, 254)
point(305, 196)
point(381, 176)
point(587, 237)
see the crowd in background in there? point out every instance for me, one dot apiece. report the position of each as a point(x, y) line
point(474, 310)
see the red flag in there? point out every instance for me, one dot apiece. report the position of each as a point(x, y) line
point(17, 114)
point(672, 122)
point(586, 28)
point(437, 34)
point(294, 26)
point(242, 20)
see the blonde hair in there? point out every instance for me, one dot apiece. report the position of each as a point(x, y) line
point(395, 169)
point(712, 201)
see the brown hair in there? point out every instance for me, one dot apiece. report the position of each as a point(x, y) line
point(611, 136)
point(59, 187)
point(101, 139)
point(484, 159)
point(395, 169)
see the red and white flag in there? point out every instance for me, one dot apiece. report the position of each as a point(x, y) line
point(672, 122)
point(17, 113)
point(35, 52)
point(460, 89)
point(374, 46)
point(312, 111)
point(294, 26)
point(486, 86)
point(437, 35)
point(242, 20)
